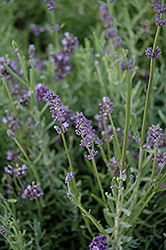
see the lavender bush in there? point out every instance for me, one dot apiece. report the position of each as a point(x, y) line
point(83, 132)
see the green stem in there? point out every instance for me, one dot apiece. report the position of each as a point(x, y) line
point(101, 80)
point(70, 163)
point(115, 134)
point(98, 180)
point(10, 98)
point(88, 215)
point(11, 244)
point(107, 140)
point(55, 38)
point(15, 75)
point(127, 122)
point(28, 160)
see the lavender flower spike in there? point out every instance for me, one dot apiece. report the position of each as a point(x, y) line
point(58, 111)
point(50, 5)
point(149, 52)
point(99, 243)
point(69, 177)
point(33, 191)
point(2, 231)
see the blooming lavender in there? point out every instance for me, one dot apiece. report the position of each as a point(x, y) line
point(50, 5)
point(12, 155)
point(62, 65)
point(105, 16)
point(2, 231)
point(70, 43)
point(3, 72)
point(39, 64)
point(69, 177)
point(145, 25)
point(117, 41)
point(31, 51)
point(35, 29)
point(159, 21)
point(33, 191)
point(125, 66)
point(18, 171)
point(10, 133)
point(111, 32)
point(154, 134)
point(57, 111)
point(106, 107)
point(149, 52)
point(99, 243)
point(86, 131)
point(13, 124)
point(40, 90)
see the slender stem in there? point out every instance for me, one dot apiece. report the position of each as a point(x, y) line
point(107, 140)
point(15, 75)
point(55, 38)
point(88, 215)
point(28, 160)
point(101, 80)
point(11, 244)
point(70, 163)
point(10, 98)
point(98, 180)
point(115, 134)
point(127, 123)
point(154, 165)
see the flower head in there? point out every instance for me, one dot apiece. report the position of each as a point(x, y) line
point(149, 52)
point(106, 107)
point(70, 43)
point(105, 16)
point(154, 134)
point(35, 29)
point(125, 66)
point(31, 51)
point(12, 155)
point(159, 21)
point(86, 131)
point(40, 90)
point(50, 5)
point(99, 242)
point(18, 171)
point(62, 65)
point(33, 191)
point(69, 177)
point(58, 112)
point(2, 231)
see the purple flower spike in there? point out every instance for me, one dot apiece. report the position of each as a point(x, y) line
point(59, 113)
point(86, 131)
point(70, 43)
point(149, 52)
point(160, 22)
point(105, 16)
point(50, 5)
point(123, 65)
point(69, 177)
point(31, 51)
point(10, 134)
point(33, 191)
point(99, 243)
point(2, 231)
point(106, 107)
point(40, 90)
point(154, 134)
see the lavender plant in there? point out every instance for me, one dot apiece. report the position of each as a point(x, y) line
point(93, 176)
